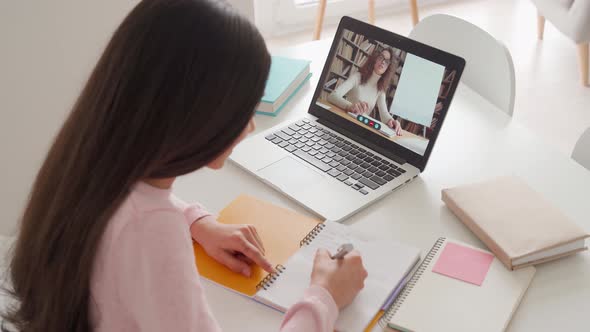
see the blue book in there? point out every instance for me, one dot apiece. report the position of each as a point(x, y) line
point(286, 77)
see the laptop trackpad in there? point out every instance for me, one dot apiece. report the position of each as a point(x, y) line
point(289, 174)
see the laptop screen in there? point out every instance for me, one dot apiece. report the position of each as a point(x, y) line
point(394, 90)
point(391, 92)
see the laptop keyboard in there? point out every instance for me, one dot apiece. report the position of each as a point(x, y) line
point(340, 158)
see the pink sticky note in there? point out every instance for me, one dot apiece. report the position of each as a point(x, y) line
point(463, 263)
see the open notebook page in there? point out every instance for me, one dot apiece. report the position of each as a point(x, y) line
point(386, 262)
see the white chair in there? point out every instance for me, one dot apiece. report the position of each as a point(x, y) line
point(572, 18)
point(581, 152)
point(489, 69)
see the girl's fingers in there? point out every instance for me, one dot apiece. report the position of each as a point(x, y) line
point(252, 237)
point(257, 237)
point(233, 263)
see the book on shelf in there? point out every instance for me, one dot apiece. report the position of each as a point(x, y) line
point(337, 66)
point(330, 83)
point(348, 51)
point(361, 60)
point(348, 34)
point(334, 66)
point(359, 39)
point(366, 45)
point(286, 76)
point(346, 69)
point(339, 48)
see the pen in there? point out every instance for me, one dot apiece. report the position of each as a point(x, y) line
point(342, 251)
point(396, 292)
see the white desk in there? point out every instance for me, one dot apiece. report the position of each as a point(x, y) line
point(476, 142)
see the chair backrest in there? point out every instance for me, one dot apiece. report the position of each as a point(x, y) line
point(489, 69)
point(581, 152)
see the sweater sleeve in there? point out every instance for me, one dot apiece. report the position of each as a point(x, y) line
point(382, 106)
point(157, 280)
point(316, 312)
point(194, 212)
point(337, 96)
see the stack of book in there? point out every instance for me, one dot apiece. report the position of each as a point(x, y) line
point(285, 78)
point(518, 224)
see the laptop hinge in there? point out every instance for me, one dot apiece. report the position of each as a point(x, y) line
point(363, 141)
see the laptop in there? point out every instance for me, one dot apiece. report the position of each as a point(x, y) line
point(370, 128)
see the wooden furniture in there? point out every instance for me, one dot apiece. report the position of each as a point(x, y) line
point(572, 18)
point(489, 70)
point(477, 142)
point(319, 21)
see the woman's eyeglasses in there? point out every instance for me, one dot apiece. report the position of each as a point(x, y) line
point(382, 59)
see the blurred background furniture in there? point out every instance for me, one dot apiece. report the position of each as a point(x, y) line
point(581, 152)
point(572, 18)
point(489, 70)
point(371, 3)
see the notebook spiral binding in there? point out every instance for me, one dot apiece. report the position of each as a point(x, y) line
point(270, 278)
point(311, 235)
point(410, 285)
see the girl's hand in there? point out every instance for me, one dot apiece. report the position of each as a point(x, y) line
point(395, 125)
point(235, 246)
point(359, 108)
point(343, 278)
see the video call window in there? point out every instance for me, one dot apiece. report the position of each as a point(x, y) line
point(391, 92)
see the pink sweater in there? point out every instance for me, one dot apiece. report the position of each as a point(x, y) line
point(145, 278)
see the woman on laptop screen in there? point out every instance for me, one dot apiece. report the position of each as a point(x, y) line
point(367, 88)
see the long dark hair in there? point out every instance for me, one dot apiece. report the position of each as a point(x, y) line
point(367, 69)
point(176, 85)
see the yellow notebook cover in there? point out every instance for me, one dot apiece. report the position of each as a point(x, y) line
point(280, 230)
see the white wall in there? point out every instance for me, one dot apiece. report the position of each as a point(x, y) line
point(47, 49)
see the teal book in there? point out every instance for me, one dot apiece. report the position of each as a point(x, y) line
point(284, 80)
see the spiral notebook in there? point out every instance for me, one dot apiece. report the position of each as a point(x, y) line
point(437, 299)
point(296, 238)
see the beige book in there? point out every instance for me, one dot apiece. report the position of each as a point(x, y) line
point(516, 223)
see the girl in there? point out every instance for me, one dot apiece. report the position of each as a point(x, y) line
point(368, 87)
point(104, 245)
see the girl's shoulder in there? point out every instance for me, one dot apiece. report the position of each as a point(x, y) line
point(143, 203)
point(145, 198)
point(142, 214)
point(356, 77)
